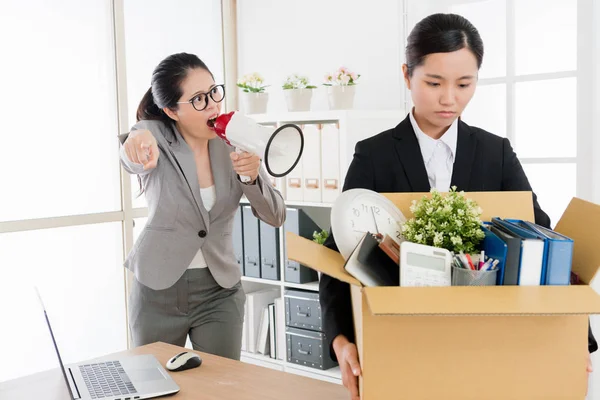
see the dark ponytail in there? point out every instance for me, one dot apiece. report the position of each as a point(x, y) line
point(165, 89)
point(442, 33)
point(148, 110)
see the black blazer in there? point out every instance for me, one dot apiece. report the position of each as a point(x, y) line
point(392, 162)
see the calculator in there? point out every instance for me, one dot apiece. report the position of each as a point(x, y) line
point(422, 265)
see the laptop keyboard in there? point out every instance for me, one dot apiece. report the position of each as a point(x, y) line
point(106, 379)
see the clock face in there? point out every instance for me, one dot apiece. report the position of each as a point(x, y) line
point(358, 211)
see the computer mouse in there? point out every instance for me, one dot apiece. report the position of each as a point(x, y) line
point(183, 361)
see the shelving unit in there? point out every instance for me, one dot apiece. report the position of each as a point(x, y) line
point(353, 127)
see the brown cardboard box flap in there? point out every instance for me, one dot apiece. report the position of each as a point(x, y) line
point(483, 300)
point(517, 205)
point(581, 222)
point(317, 257)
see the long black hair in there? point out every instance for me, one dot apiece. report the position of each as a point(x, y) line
point(165, 90)
point(442, 33)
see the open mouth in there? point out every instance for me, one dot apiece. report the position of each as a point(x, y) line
point(211, 122)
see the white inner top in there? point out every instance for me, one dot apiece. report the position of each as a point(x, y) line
point(438, 155)
point(209, 197)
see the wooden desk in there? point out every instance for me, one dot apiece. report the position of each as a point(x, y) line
point(216, 379)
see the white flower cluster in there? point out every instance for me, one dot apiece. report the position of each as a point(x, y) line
point(342, 77)
point(296, 81)
point(251, 83)
point(452, 222)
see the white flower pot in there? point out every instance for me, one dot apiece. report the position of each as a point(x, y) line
point(255, 103)
point(298, 99)
point(341, 97)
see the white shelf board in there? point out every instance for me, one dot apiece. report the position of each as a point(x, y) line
point(262, 361)
point(335, 374)
point(262, 281)
point(313, 286)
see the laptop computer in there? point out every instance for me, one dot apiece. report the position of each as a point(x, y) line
point(122, 378)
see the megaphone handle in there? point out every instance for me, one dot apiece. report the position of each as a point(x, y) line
point(243, 178)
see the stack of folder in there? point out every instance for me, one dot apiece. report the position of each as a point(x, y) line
point(535, 255)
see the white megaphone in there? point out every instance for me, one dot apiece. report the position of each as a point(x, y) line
point(280, 148)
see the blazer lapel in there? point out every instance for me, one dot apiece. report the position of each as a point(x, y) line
point(184, 160)
point(222, 171)
point(409, 154)
point(466, 147)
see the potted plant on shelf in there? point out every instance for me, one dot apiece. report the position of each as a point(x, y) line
point(341, 87)
point(298, 92)
point(254, 97)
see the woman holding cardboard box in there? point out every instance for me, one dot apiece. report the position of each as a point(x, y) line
point(431, 148)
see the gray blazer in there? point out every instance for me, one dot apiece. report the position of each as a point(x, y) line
point(178, 224)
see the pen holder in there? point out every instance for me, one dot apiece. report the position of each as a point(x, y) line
point(468, 277)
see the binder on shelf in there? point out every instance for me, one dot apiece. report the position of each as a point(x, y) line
point(330, 162)
point(298, 222)
point(238, 239)
point(251, 243)
point(294, 185)
point(279, 328)
point(269, 252)
point(272, 332)
point(257, 304)
point(311, 163)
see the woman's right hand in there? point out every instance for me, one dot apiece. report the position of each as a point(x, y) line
point(347, 355)
point(141, 148)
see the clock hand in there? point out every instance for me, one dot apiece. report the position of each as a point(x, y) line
point(374, 220)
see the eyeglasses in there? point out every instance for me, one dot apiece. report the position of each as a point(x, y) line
point(200, 101)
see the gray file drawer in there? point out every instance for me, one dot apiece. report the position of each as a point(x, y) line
point(302, 310)
point(251, 243)
point(269, 252)
point(298, 222)
point(307, 348)
point(238, 239)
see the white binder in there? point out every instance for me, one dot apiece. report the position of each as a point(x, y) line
point(330, 162)
point(311, 163)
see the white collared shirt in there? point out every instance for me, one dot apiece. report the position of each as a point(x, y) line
point(438, 155)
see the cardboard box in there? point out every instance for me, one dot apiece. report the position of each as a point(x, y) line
point(495, 342)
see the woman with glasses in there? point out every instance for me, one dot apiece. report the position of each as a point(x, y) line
point(187, 280)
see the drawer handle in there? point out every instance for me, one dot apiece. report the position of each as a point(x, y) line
point(291, 266)
point(304, 352)
point(266, 263)
point(251, 261)
point(303, 314)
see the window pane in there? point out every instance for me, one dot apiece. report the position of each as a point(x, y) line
point(154, 31)
point(545, 178)
point(79, 272)
point(546, 118)
point(489, 17)
point(60, 135)
point(487, 109)
point(546, 36)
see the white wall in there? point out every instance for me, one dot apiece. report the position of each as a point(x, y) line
point(312, 37)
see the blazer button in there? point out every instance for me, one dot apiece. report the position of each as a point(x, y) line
point(202, 233)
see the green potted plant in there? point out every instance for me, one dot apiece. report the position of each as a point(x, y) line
point(298, 92)
point(254, 96)
point(450, 221)
point(341, 88)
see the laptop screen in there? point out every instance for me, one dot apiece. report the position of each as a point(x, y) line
point(62, 367)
